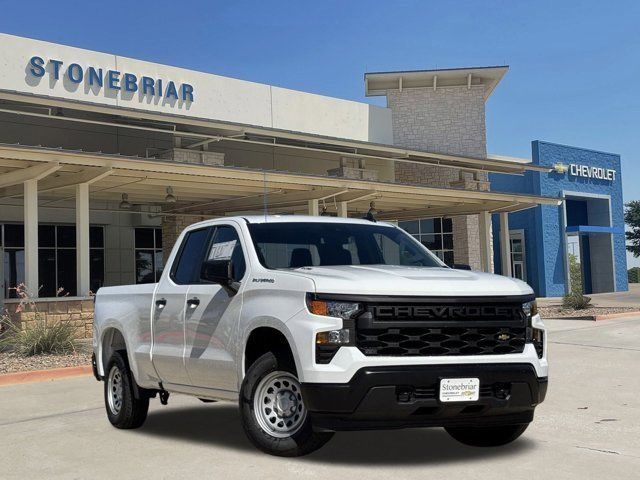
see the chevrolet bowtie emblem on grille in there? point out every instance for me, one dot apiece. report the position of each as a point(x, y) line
point(504, 337)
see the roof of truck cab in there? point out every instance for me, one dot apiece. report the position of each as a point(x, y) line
point(253, 219)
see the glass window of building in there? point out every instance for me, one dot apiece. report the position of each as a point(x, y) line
point(434, 233)
point(148, 254)
point(56, 259)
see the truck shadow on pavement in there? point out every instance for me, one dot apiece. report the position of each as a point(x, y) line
point(218, 425)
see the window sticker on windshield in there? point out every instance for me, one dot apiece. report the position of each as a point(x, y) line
point(222, 251)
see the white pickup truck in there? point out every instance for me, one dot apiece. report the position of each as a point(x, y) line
point(320, 324)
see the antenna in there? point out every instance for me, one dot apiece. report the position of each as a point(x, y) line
point(266, 202)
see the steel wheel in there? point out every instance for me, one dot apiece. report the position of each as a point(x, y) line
point(114, 389)
point(278, 404)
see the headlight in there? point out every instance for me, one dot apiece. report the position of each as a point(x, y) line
point(329, 342)
point(534, 335)
point(530, 308)
point(330, 308)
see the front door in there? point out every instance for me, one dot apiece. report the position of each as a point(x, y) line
point(211, 319)
point(169, 309)
point(518, 265)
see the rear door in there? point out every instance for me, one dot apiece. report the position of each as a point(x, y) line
point(169, 308)
point(212, 315)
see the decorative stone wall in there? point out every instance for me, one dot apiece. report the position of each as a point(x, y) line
point(76, 311)
point(197, 157)
point(448, 120)
point(172, 227)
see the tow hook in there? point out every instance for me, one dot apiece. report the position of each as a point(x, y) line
point(164, 397)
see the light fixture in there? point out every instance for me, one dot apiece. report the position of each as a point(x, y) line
point(124, 204)
point(170, 198)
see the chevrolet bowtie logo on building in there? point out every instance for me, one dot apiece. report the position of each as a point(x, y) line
point(560, 168)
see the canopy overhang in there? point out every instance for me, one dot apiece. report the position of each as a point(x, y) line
point(221, 190)
point(198, 132)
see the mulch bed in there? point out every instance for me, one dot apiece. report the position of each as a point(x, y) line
point(558, 312)
point(11, 362)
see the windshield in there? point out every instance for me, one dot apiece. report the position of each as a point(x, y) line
point(295, 245)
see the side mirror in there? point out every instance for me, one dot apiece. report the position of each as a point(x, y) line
point(461, 266)
point(220, 272)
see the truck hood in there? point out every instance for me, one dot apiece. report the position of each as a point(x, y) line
point(402, 280)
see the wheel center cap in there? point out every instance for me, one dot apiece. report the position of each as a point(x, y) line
point(286, 404)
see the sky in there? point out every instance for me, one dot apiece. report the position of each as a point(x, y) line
point(574, 66)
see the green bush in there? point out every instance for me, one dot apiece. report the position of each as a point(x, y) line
point(576, 301)
point(38, 338)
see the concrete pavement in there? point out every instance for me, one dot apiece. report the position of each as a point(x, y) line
point(589, 427)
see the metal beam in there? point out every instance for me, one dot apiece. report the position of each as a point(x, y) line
point(69, 180)
point(283, 199)
point(37, 172)
point(505, 245)
point(486, 253)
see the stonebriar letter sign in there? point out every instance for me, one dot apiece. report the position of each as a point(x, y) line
point(114, 80)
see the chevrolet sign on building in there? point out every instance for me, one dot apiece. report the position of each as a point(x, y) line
point(588, 171)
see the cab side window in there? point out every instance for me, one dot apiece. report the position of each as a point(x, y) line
point(187, 267)
point(226, 245)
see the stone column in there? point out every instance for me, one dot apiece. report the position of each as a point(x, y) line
point(82, 240)
point(447, 120)
point(31, 279)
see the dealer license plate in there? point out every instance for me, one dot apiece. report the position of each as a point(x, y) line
point(459, 389)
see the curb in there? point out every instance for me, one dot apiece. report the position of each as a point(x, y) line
point(598, 318)
point(33, 376)
point(611, 316)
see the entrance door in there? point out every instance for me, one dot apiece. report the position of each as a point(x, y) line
point(518, 263)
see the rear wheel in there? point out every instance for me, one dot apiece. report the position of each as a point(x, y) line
point(124, 410)
point(272, 410)
point(487, 436)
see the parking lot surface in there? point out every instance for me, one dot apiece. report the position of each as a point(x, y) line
point(589, 427)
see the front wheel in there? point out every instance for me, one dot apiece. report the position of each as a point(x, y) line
point(487, 436)
point(124, 410)
point(272, 410)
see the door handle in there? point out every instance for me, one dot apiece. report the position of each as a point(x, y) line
point(193, 302)
point(161, 303)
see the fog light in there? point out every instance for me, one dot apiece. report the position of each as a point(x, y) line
point(538, 341)
point(333, 337)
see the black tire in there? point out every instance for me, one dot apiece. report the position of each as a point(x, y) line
point(487, 436)
point(303, 441)
point(131, 411)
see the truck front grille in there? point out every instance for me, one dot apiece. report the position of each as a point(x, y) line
point(427, 341)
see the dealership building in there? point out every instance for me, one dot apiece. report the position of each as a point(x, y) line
point(586, 230)
point(105, 159)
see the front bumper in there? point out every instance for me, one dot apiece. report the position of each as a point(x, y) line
point(408, 396)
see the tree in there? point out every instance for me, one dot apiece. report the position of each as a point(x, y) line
point(634, 275)
point(632, 219)
point(575, 275)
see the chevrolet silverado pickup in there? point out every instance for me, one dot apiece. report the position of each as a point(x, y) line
point(315, 325)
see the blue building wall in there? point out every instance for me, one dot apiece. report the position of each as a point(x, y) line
point(544, 238)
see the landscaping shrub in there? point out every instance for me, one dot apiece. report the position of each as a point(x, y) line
point(40, 336)
point(576, 301)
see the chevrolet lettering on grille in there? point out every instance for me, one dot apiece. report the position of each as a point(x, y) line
point(445, 312)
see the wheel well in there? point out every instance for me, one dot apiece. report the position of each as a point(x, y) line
point(263, 340)
point(112, 341)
